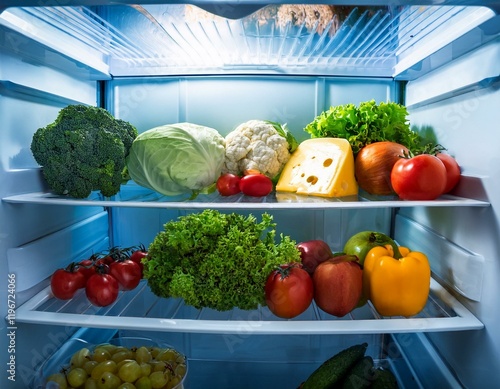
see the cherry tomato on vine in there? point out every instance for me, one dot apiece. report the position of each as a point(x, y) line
point(289, 291)
point(127, 273)
point(105, 260)
point(65, 282)
point(137, 256)
point(87, 268)
point(102, 288)
point(452, 171)
point(228, 184)
point(257, 185)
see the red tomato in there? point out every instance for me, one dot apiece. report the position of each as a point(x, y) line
point(137, 257)
point(65, 282)
point(256, 185)
point(228, 184)
point(289, 291)
point(102, 289)
point(422, 177)
point(87, 268)
point(127, 273)
point(106, 260)
point(452, 171)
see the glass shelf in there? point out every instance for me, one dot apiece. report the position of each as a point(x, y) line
point(132, 196)
point(140, 309)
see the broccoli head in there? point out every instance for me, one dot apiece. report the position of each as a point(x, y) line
point(84, 150)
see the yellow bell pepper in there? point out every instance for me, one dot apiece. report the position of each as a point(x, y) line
point(396, 286)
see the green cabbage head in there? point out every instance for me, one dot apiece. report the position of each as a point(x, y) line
point(179, 158)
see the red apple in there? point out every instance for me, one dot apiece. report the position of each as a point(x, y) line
point(312, 253)
point(338, 285)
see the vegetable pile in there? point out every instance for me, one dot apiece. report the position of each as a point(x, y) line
point(365, 124)
point(86, 149)
point(83, 150)
point(371, 267)
point(216, 260)
point(390, 158)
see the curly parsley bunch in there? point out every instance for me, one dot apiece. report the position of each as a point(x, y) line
point(217, 260)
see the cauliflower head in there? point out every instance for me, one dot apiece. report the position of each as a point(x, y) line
point(256, 145)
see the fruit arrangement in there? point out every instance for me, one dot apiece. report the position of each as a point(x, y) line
point(372, 267)
point(114, 366)
point(102, 275)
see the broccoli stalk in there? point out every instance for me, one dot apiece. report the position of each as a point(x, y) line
point(84, 150)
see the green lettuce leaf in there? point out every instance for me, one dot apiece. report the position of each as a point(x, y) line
point(367, 123)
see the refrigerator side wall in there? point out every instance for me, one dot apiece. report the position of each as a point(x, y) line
point(34, 240)
point(461, 101)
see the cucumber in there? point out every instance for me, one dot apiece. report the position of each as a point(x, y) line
point(361, 375)
point(384, 379)
point(331, 372)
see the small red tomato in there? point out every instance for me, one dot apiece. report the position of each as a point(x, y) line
point(137, 256)
point(65, 282)
point(106, 260)
point(289, 291)
point(127, 273)
point(422, 177)
point(87, 268)
point(452, 171)
point(257, 185)
point(228, 184)
point(102, 288)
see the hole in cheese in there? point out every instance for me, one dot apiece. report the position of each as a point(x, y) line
point(312, 180)
point(327, 162)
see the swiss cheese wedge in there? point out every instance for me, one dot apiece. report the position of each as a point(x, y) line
point(320, 167)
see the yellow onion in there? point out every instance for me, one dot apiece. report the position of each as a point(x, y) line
point(373, 166)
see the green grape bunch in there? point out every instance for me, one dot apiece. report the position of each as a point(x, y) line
point(111, 366)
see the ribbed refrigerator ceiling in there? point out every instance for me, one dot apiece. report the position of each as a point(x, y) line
point(179, 39)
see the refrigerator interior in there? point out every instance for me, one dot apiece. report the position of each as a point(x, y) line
point(154, 64)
